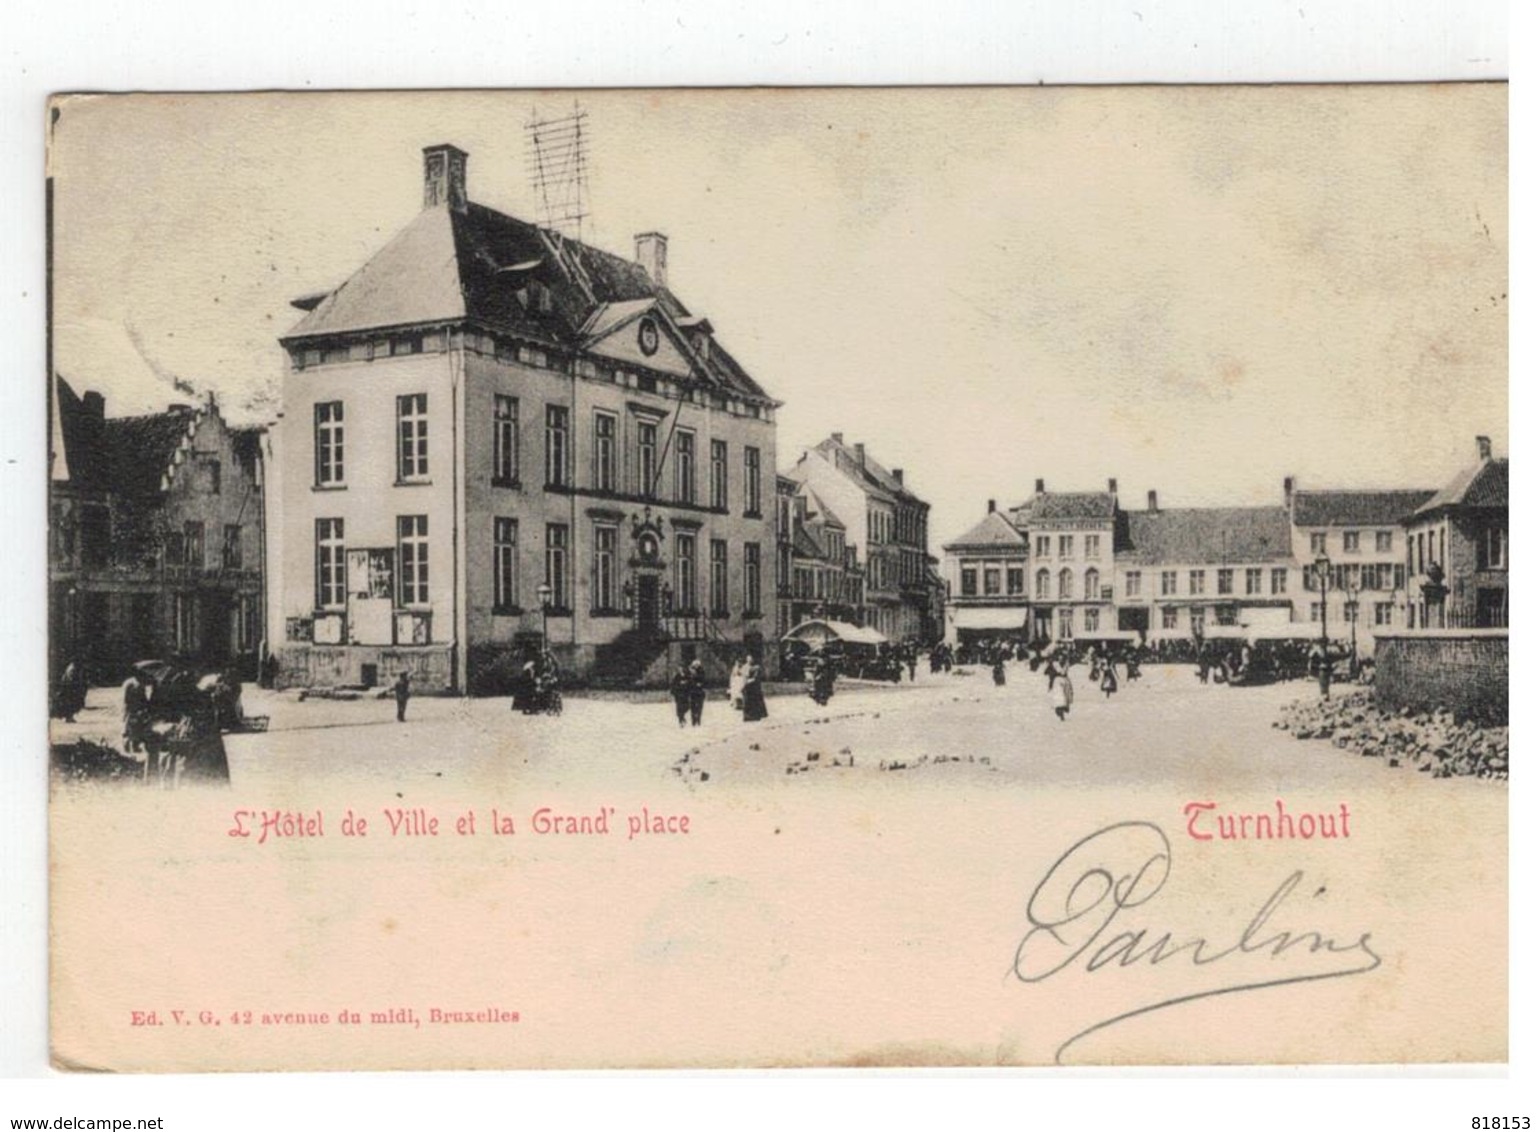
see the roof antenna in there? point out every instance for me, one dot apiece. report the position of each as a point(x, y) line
point(557, 149)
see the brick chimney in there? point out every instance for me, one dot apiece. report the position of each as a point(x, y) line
point(443, 177)
point(991, 507)
point(1483, 446)
point(860, 455)
point(897, 474)
point(1288, 493)
point(838, 437)
point(94, 405)
point(652, 254)
point(1041, 486)
point(1154, 501)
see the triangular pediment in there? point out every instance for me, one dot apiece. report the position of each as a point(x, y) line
point(639, 333)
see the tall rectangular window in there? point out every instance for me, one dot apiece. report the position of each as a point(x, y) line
point(556, 576)
point(1167, 583)
point(719, 475)
point(1384, 542)
point(1279, 579)
point(1015, 580)
point(751, 483)
point(1197, 581)
point(558, 454)
point(1252, 580)
point(685, 589)
point(646, 459)
point(1134, 583)
point(1317, 542)
point(684, 465)
point(1065, 546)
point(1092, 620)
point(412, 554)
point(1199, 621)
point(605, 540)
point(1092, 546)
point(192, 543)
point(1351, 542)
point(1225, 580)
point(1169, 617)
point(504, 564)
point(504, 439)
point(752, 583)
point(412, 437)
point(604, 425)
point(230, 554)
point(1044, 546)
point(330, 565)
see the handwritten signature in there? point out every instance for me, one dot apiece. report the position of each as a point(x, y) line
point(1124, 866)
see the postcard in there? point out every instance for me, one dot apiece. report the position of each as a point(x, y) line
point(778, 578)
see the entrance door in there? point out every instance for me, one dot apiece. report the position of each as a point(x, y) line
point(647, 608)
point(1491, 608)
point(1041, 625)
point(215, 621)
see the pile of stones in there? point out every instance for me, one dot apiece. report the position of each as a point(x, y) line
point(1432, 742)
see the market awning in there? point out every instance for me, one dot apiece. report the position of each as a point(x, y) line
point(989, 617)
point(821, 632)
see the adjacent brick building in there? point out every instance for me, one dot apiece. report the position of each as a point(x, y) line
point(155, 537)
point(886, 525)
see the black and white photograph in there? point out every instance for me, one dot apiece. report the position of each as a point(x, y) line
point(743, 579)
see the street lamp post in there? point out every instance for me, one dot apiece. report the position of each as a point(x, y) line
point(1355, 610)
point(544, 592)
point(1323, 578)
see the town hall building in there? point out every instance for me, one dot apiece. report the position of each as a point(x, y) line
point(496, 440)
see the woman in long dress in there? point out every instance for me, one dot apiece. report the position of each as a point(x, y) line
point(735, 684)
point(754, 708)
point(1062, 693)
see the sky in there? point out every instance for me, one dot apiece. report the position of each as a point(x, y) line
point(1197, 290)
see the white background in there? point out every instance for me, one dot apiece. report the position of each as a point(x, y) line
point(51, 47)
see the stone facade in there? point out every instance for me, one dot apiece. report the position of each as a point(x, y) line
point(544, 448)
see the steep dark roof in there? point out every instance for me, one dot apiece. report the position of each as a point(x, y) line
point(805, 544)
point(477, 264)
point(1481, 485)
point(1356, 508)
point(1208, 536)
point(81, 434)
point(993, 531)
point(816, 506)
point(1050, 505)
point(140, 449)
point(866, 471)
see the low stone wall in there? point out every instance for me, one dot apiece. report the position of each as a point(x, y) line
point(331, 666)
point(1461, 670)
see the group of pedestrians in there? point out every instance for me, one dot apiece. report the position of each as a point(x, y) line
point(745, 691)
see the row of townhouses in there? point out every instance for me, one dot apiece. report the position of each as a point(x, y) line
point(494, 439)
point(1066, 565)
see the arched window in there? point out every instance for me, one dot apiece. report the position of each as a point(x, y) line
point(1092, 584)
point(1044, 584)
point(1065, 584)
